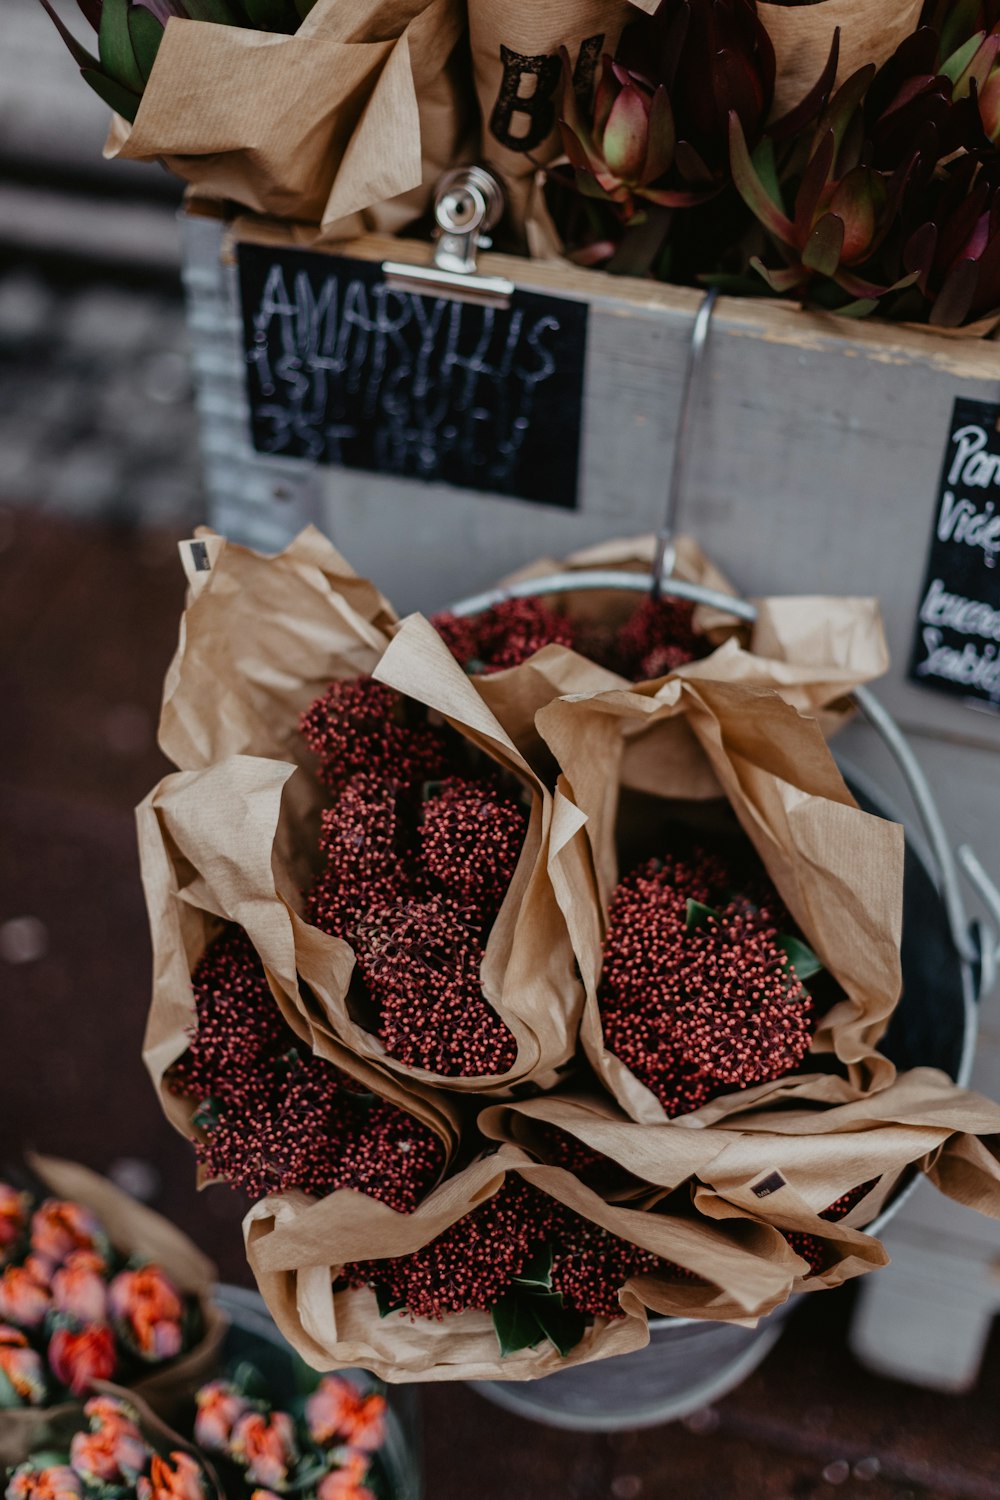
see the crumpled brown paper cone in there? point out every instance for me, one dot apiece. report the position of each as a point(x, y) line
point(134, 1230)
point(786, 1167)
point(297, 1247)
point(814, 649)
point(838, 870)
point(363, 104)
point(528, 972)
point(802, 34)
point(205, 843)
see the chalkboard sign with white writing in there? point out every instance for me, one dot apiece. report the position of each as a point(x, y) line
point(344, 368)
point(956, 648)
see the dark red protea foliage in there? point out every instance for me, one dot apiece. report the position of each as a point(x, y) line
point(891, 199)
point(503, 636)
point(657, 638)
point(696, 1000)
point(414, 869)
point(814, 1250)
point(473, 1264)
point(654, 139)
point(274, 1118)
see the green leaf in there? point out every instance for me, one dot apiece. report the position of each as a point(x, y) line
point(115, 46)
point(538, 1272)
point(823, 247)
point(206, 1116)
point(699, 915)
point(220, 12)
point(272, 15)
point(563, 1326)
point(801, 957)
point(750, 187)
point(8, 1395)
point(766, 166)
point(120, 99)
point(78, 51)
point(386, 1306)
point(515, 1324)
point(248, 1379)
point(146, 33)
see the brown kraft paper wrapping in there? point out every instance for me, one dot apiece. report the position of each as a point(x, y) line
point(813, 650)
point(296, 1248)
point(260, 639)
point(838, 870)
point(134, 1230)
point(802, 35)
point(786, 1166)
point(364, 103)
point(196, 877)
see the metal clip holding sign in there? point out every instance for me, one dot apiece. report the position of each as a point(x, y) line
point(467, 205)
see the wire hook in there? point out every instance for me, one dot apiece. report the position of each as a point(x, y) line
point(663, 562)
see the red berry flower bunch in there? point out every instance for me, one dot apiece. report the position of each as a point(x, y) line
point(111, 1457)
point(540, 1269)
point(814, 1250)
point(327, 1445)
point(657, 638)
point(417, 852)
point(702, 990)
point(71, 1312)
point(274, 1117)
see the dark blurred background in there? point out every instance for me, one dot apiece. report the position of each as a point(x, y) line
point(99, 479)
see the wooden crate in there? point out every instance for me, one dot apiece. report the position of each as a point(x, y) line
point(818, 444)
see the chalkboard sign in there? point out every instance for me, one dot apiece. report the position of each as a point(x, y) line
point(344, 368)
point(956, 647)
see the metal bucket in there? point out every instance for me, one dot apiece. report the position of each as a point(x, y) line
point(947, 965)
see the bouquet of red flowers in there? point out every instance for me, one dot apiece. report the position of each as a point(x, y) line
point(450, 960)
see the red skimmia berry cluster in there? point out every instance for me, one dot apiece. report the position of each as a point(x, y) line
point(810, 1246)
point(416, 858)
point(698, 996)
point(274, 1117)
point(657, 638)
point(473, 1264)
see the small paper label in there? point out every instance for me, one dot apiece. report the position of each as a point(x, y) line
point(768, 1185)
point(956, 647)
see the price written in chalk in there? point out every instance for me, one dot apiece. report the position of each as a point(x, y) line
point(956, 646)
point(345, 369)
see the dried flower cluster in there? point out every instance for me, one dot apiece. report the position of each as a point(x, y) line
point(698, 992)
point(109, 1458)
point(71, 1311)
point(657, 638)
point(478, 1261)
point(417, 855)
point(274, 1117)
point(327, 1449)
point(816, 1251)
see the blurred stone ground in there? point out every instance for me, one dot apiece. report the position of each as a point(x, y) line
point(99, 478)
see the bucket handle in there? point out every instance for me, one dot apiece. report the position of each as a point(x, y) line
point(976, 943)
